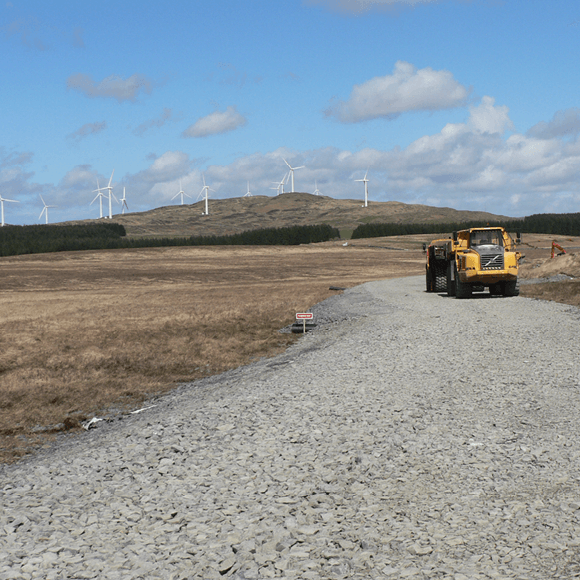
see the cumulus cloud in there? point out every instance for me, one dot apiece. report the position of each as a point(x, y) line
point(407, 89)
point(165, 167)
point(158, 122)
point(29, 30)
point(14, 157)
point(36, 34)
point(86, 130)
point(565, 123)
point(487, 118)
point(364, 6)
point(217, 122)
point(113, 86)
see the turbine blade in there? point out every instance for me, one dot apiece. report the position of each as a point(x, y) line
point(111, 178)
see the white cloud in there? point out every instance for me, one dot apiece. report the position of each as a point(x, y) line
point(564, 123)
point(165, 117)
point(217, 122)
point(113, 86)
point(407, 89)
point(487, 118)
point(86, 130)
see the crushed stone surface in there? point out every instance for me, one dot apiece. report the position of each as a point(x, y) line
point(410, 435)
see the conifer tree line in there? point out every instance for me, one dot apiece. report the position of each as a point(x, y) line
point(567, 224)
point(16, 240)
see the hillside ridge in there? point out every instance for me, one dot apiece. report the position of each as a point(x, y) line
point(238, 214)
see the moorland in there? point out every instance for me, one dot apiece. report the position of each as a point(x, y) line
point(99, 332)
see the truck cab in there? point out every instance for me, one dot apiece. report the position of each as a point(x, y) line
point(480, 258)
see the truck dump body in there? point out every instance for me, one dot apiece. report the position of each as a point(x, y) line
point(436, 266)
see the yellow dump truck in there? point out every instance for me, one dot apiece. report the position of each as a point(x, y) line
point(436, 265)
point(480, 258)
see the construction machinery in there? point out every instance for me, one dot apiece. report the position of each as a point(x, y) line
point(476, 259)
point(480, 258)
point(555, 247)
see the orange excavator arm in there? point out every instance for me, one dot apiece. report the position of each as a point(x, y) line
point(557, 246)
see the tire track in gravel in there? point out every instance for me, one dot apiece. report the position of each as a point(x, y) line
point(412, 435)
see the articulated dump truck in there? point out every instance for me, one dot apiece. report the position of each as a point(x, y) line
point(473, 260)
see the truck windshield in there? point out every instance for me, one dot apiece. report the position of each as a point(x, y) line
point(485, 238)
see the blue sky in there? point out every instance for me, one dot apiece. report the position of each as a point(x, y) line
point(470, 104)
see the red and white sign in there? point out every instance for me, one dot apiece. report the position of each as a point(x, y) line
point(304, 316)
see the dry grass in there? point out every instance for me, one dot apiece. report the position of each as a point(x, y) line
point(84, 332)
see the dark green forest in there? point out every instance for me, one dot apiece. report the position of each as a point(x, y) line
point(567, 224)
point(37, 239)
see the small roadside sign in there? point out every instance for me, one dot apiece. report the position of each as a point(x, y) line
point(304, 316)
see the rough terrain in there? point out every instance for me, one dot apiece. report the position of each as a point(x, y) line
point(411, 436)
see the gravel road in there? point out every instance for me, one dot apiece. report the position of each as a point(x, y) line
point(410, 436)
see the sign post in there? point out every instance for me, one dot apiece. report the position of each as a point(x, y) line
point(304, 316)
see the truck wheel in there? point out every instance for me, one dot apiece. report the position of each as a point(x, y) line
point(511, 288)
point(440, 282)
point(428, 280)
point(461, 290)
point(450, 281)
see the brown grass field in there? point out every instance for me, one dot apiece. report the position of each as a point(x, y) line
point(96, 333)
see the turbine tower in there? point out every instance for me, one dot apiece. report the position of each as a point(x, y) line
point(2, 200)
point(99, 194)
point(316, 190)
point(205, 191)
point(111, 195)
point(292, 169)
point(123, 201)
point(366, 181)
point(180, 192)
point(248, 194)
point(45, 209)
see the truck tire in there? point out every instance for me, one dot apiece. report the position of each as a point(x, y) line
point(440, 282)
point(450, 281)
point(461, 290)
point(428, 285)
point(511, 288)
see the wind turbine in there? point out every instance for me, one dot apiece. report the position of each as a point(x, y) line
point(248, 194)
point(205, 190)
point(281, 183)
point(2, 200)
point(365, 181)
point(292, 169)
point(123, 201)
point(180, 192)
point(316, 190)
point(99, 194)
point(45, 209)
point(111, 195)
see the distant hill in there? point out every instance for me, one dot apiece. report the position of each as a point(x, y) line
point(238, 214)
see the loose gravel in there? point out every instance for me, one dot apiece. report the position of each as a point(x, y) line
point(410, 435)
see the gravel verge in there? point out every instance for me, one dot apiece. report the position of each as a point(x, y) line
point(410, 435)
